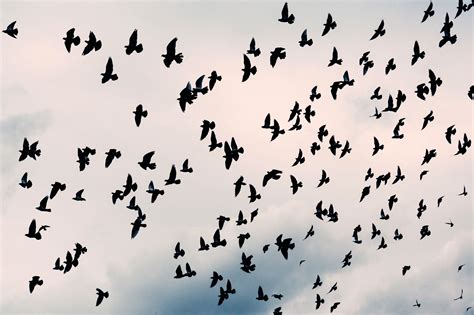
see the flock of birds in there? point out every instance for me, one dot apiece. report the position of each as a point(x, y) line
point(232, 152)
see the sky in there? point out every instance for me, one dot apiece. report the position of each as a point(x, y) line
point(56, 98)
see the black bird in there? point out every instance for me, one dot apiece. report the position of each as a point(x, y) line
point(380, 31)
point(396, 130)
point(450, 223)
point(314, 94)
point(384, 216)
point(320, 212)
point(334, 306)
point(199, 88)
point(276, 130)
point(118, 194)
point(440, 199)
point(398, 236)
point(71, 39)
point(390, 66)
point(248, 69)
point(368, 65)
point(238, 185)
point(334, 145)
point(206, 127)
point(132, 44)
point(300, 159)
point(253, 194)
point(92, 44)
point(377, 146)
point(179, 273)
point(277, 311)
point(221, 220)
point(214, 143)
point(382, 244)
point(172, 177)
point(460, 267)
point(460, 297)
point(428, 156)
point(424, 231)
point(446, 30)
point(428, 12)
point(129, 186)
point(260, 295)
point(138, 223)
point(146, 161)
point(186, 168)
point(277, 53)
point(111, 155)
point(319, 301)
point(427, 119)
point(83, 157)
point(285, 18)
point(329, 25)
point(25, 182)
point(253, 214)
point(215, 278)
point(464, 192)
point(375, 232)
point(34, 282)
point(58, 265)
point(284, 245)
point(315, 147)
point(310, 233)
point(376, 95)
point(304, 39)
point(56, 187)
point(434, 82)
point(296, 126)
point(421, 90)
point(100, 296)
point(347, 259)
point(43, 205)
point(324, 179)
point(423, 173)
point(203, 245)
point(223, 295)
point(295, 111)
point(171, 54)
point(460, 8)
point(186, 96)
point(139, 113)
point(178, 252)
point(213, 79)
point(365, 192)
point(277, 296)
point(391, 201)
point(78, 196)
point(336, 86)
point(333, 288)
point(417, 54)
point(355, 234)
point(322, 132)
point(32, 233)
point(399, 176)
point(273, 174)
point(252, 50)
point(317, 282)
point(265, 248)
point(470, 93)
point(69, 262)
point(11, 30)
point(29, 150)
point(369, 174)
point(78, 251)
point(417, 304)
point(346, 149)
point(451, 131)
point(108, 74)
point(216, 240)
point(242, 238)
point(421, 208)
point(295, 184)
point(364, 58)
point(335, 58)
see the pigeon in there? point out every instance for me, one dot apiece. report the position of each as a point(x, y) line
point(277, 53)
point(285, 18)
point(405, 269)
point(108, 74)
point(71, 39)
point(146, 163)
point(248, 69)
point(111, 155)
point(35, 280)
point(304, 39)
point(172, 177)
point(215, 278)
point(43, 205)
point(92, 44)
point(11, 30)
point(213, 79)
point(203, 245)
point(252, 50)
point(261, 296)
point(335, 58)
point(380, 31)
point(132, 44)
point(319, 301)
point(273, 174)
point(417, 53)
point(428, 12)
point(100, 296)
point(171, 54)
point(139, 113)
point(78, 196)
point(178, 252)
point(25, 182)
point(33, 233)
point(329, 25)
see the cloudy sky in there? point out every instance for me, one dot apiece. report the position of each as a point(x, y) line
point(56, 98)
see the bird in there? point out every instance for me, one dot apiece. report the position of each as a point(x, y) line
point(172, 177)
point(429, 154)
point(216, 240)
point(464, 192)
point(284, 245)
point(397, 235)
point(398, 176)
point(253, 194)
point(33, 233)
point(451, 131)
point(460, 8)
point(391, 201)
point(260, 295)
point(434, 82)
point(171, 54)
point(277, 296)
point(221, 220)
point(78, 196)
point(417, 53)
point(71, 39)
point(319, 301)
point(246, 263)
point(347, 259)
point(346, 149)
point(215, 278)
point(11, 30)
point(421, 90)
point(206, 127)
point(377, 115)
point(450, 223)
point(277, 53)
point(198, 86)
point(329, 25)
point(111, 155)
point(334, 145)
point(108, 74)
point(138, 223)
point(56, 187)
point(382, 244)
point(384, 216)
point(25, 182)
point(460, 267)
point(377, 146)
point(334, 306)
point(58, 265)
point(333, 288)
point(35, 280)
point(43, 204)
point(355, 234)
point(186, 168)
point(273, 174)
point(317, 282)
point(304, 39)
point(100, 296)
point(440, 199)
point(265, 248)
point(186, 96)
point(365, 193)
point(69, 262)
point(92, 44)
point(324, 179)
point(139, 113)
point(203, 245)
point(375, 232)
point(285, 18)
point(213, 79)
point(460, 297)
point(335, 58)
point(29, 150)
point(314, 94)
point(310, 233)
point(130, 186)
point(214, 143)
point(417, 304)
point(132, 44)
point(242, 238)
point(248, 69)
point(252, 49)
point(380, 31)
point(178, 252)
point(428, 12)
point(253, 214)
point(300, 159)
point(427, 119)
point(405, 269)
point(423, 173)
point(146, 163)
point(369, 174)
point(390, 66)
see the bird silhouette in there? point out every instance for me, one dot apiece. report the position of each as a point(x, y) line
point(319, 301)
point(138, 223)
point(221, 220)
point(248, 69)
point(390, 66)
point(284, 245)
point(71, 39)
point(100, 296)
point(285, 18)
point(335, 58)
point(310, 233)
point(146, 161)
point(273, 174)
point(108, 74)
point(254, 196)
point(186, 96)
point(260, 295)
point(178, 252)
point(199, 88)
point(317, 282)
point(111, 155)
point(25, 182)
point(405, 269)
point(295, 184)
point(334, 306)
point(329, 25)
point(417, 53)
point(33, 233)
point(252, 49)
point(29, 150)
point(314, 94)
point(43, 205)
point(35, 280)
point(171, 54)
point(304, 39)
point(172, 177)
point(377, 146)
point(202, 245)
point(380, 31)
point(139, 114)
point(428, 12)
point(92, 44)
point(133, 45)
point(277, 53)
point(213, 79)
point(215, 279)
point(78, 196)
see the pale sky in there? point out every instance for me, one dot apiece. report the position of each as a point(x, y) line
point(57, 98)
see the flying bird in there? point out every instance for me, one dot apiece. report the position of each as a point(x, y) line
point(252, 49)
point(380, 31)
point(285, 18)
point(71, 39)
point(139, 113)
point(248, 69)
point(100, 296)
point(132, 44)
point(108, 74)
point(171, 54)
point(329, 25)
point(33, 233)
point(92, 44)
point(11, 30)
point(428, 12)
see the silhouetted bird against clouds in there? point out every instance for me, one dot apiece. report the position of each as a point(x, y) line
point(133, 45)
point(108, 74)
point(172, 177)
point(213, 79)
point(304, 39)
point(35, 280)
point(139, 113)
point(380, 31)
point(33, 233)
point(285, 18)
point(248, 69)
point(29, 150)
point(171, 54)
point(71, 39)
point(428, 12)
point(100, 296)
point(78, 196)
point(329, 25)
point(252, 49)
point(25, 182)
point(92, 44)
point(277, 53)
point(11, 30)
point(111, 155)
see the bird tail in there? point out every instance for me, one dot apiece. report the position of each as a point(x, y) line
point(253, 70)
point(139, 48)
point(178, 58)
point(291, 19)
point(310, 42)
point(152, 166)
point(257, 52)
point(76, 41)
point(145, 113)
point(98, 45)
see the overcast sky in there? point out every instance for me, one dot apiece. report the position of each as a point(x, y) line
point(56, 98)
